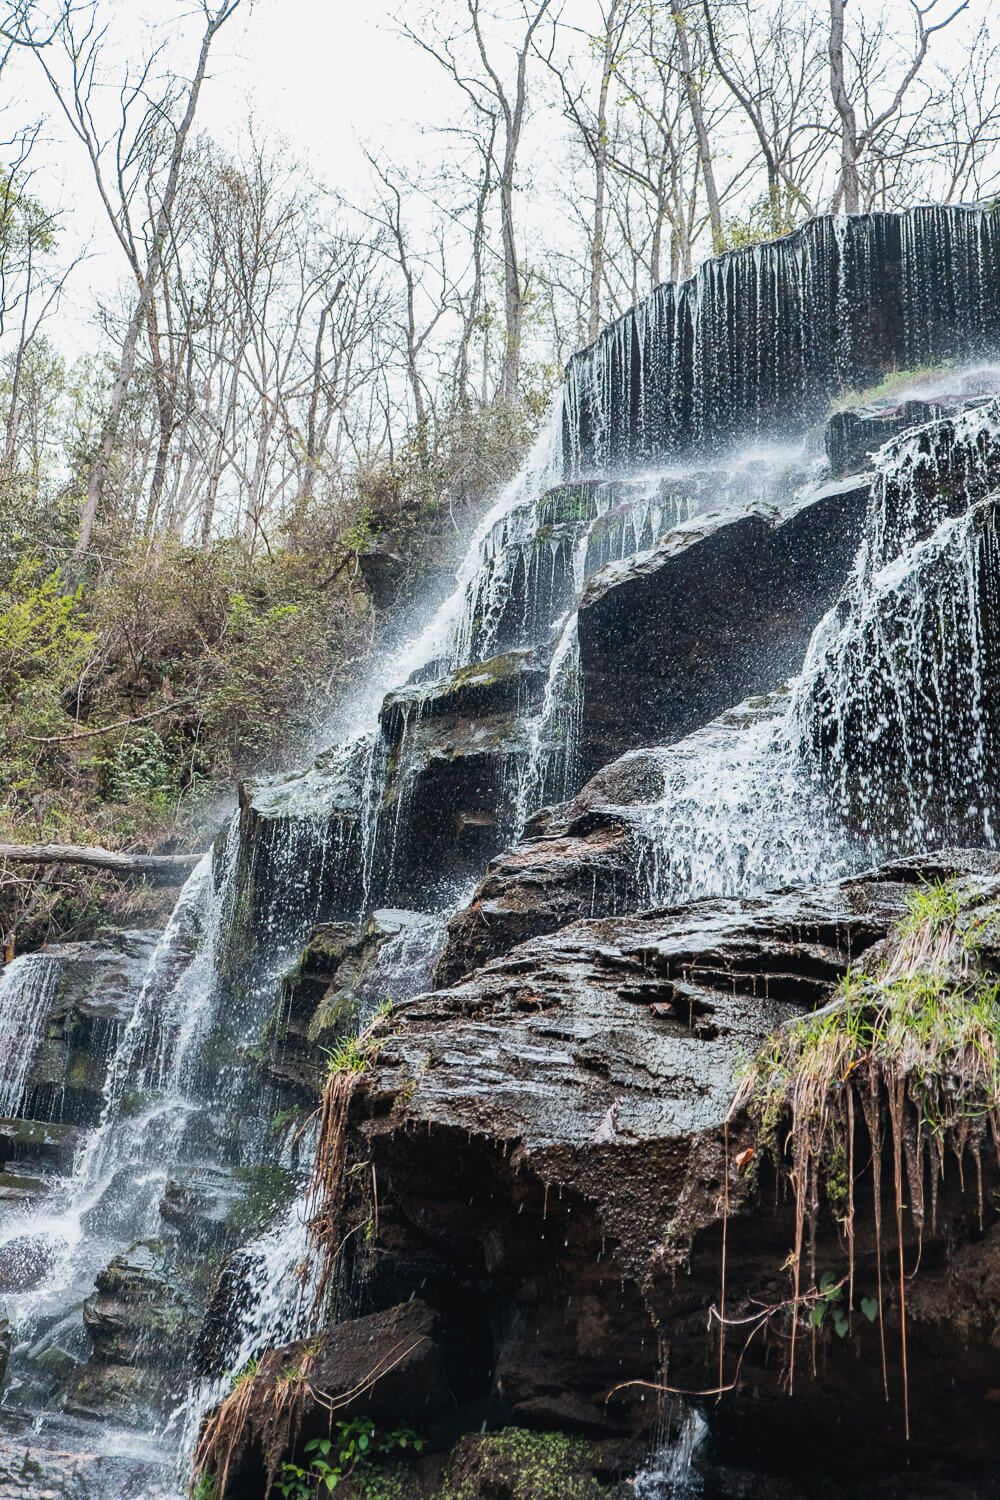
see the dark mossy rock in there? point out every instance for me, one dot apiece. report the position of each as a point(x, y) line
point(454, 746)
point(387, 1367)
point(92, 998)
point(392, 576)
point(205, 1206)
point(519, 1464)
point(721, 609)
point(323, 997)
point(49, 1139)
point(550, 1142)
point(138, 1314)
point(299, 856)
point(854, 435)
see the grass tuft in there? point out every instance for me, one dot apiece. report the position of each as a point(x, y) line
point(910, 1045)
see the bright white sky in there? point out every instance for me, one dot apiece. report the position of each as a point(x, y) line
point(330, 76)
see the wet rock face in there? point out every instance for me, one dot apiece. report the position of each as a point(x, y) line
point(854, 436)
point(719, 610)
point(453, 747)
point(91, 1000)
point(139, 1324)
point(566, 867)
point(327, 995)
point(834, 306)
point(548, 1142)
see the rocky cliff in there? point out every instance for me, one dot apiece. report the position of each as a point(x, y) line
point(421, 1116)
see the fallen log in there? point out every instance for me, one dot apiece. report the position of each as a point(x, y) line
point(164, 867)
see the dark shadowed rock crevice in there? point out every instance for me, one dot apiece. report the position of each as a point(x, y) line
point(721, 609)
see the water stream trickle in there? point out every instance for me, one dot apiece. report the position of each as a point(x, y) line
point(27, 985)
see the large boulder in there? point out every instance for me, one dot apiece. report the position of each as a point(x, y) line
point(550, 1144)
point(720, 609)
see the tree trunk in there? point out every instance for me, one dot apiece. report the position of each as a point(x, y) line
point(693, 96)
point(513, 293)
point(98, 475)
point(849, 193)
point(601, 172)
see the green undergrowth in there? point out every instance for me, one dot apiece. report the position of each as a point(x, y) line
point(901, 1070)
point(352, 1459)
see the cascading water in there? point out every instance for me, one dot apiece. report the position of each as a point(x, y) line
point(888, 740)
point(760, 339)
point(808, 783)
point(26, 988)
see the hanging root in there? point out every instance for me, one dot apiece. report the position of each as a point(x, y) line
point(325, 1196)
point(915, 1041)
point(274, 1418)
point(223, 1435)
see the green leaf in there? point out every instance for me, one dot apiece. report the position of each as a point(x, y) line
point(869, 1307)
point(816, 1314)
point(840, 1325)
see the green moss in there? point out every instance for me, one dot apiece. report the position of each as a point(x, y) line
point(339, 1014)
point(895, 381)
point(521, 1465)
point(267, 1190)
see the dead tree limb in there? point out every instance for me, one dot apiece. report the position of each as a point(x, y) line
point(157, 866)
point(90, 734)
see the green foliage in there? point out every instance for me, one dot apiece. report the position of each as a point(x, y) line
point(359, 536)
point(353, 1454)
point(769, 218)
point(830, 1306)
point(140, 767)
point(352, 1054)
point(934, 905)
point(523, 1465)
point(244, 1376)
point(44, 640)
point(894, 382)
point(238, 649)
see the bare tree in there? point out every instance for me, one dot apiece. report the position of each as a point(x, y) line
point(855, 140)
point(771, 64)
point(482, 81)
point(693, 92)
point(593, 125)
point(140, 138)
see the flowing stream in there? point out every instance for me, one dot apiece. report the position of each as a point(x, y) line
point(700, 400)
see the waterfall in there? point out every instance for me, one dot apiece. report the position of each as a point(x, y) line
point(672, 1474)
point(697, 402)
point(26, 989)
point(889, 739)
point(895, 714)
point(763, 337)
